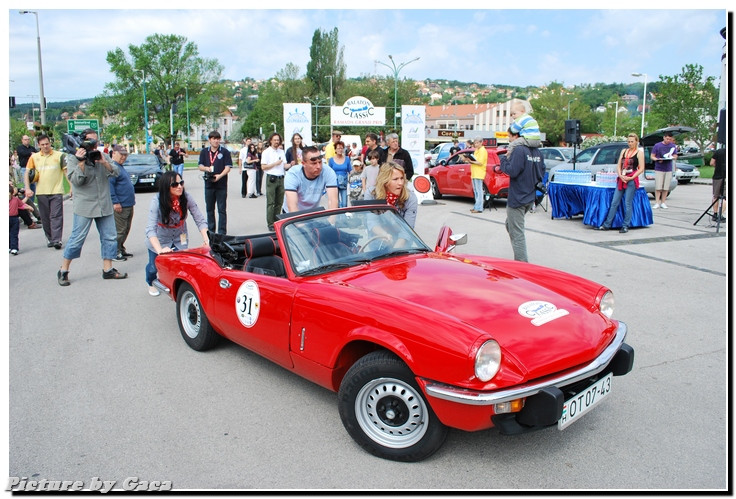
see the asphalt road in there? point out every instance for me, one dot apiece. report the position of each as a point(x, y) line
point(102, 385)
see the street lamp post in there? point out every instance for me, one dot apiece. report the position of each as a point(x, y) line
point(274, 126)
point(315, 103)
point(145, 109)
point(396, 77)
point(615, 119)
point(330, 77)
point(42, 99)
point(568, 106)
point(644, 105)
point(189, 129)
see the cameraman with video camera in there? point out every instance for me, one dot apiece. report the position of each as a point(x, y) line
point(215, 162)
point(88, 172)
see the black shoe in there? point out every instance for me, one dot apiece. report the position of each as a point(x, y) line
point(63, 277)
point(113, 274)
point(119, 258)
point(715, 218)
point(50, 245)
point(603, 227)
point(126, 254)
point(57, 245)
point(623, 230)
point(270, 228)
point(252, 196)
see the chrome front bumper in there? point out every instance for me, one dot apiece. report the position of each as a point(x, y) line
point(475, 397)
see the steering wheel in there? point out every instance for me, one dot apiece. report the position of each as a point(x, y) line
point(375, 238)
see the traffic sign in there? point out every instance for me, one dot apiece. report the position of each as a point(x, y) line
point(78, 126)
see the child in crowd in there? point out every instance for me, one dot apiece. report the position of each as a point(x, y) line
point(370, 172)
point(16, 204)
point(355, 183)
point(526, 126)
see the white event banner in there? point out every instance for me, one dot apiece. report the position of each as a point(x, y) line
point(357, 111)
point(297, 119)
point(413, 125)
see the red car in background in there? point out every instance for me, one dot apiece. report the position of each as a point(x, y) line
point(452, 176)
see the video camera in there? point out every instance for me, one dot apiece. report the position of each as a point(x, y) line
point(74, 141)
point(208, 176)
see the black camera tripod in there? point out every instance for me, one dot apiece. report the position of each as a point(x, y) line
point(717, 215)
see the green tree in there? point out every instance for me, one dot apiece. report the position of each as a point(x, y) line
point(172, 68)
point(550, 109)
point(268, 108)
point(326, 59)
point(687, 99)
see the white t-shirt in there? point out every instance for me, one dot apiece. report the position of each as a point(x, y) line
point(271, 155)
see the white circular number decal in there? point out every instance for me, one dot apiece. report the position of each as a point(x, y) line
point(248, 303)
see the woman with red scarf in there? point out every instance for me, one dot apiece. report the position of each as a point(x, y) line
point(630, 166)
point(167, 223)
point(391, 186)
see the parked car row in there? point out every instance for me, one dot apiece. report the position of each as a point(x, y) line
point(604, 157)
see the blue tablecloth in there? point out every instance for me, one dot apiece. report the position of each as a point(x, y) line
point(593, 202)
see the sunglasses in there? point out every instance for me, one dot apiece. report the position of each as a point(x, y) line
point(177, 184)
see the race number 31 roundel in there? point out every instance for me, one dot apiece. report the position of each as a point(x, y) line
point(248, 303)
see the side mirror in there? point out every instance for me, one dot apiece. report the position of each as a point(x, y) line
point(459, 239)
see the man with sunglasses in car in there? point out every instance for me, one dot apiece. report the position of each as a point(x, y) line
point(304, 184)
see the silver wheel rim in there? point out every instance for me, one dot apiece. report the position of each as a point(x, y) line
point(190, 314)
point(391, 413)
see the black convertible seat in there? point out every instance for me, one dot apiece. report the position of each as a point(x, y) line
point(261, 257)
point(327, 244)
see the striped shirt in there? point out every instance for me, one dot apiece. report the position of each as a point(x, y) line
point(526, 126)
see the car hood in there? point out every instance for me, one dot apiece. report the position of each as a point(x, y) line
point(473, 298)
point(658, 135)
point(140, 169)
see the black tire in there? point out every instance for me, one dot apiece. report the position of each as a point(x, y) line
point(403, 426)
point(193, 323)
point(436, 190)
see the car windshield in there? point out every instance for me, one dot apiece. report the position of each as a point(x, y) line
point(328, 242)
point(566, 152)
point(141, 159)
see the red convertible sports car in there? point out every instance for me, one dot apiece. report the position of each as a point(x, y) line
point(351, 299)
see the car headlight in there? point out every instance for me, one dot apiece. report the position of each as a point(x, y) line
point(607, 303)
point(487, 360)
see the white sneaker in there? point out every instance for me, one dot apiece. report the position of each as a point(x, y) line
point(663, 206)
point(153, 291)
point(655, 206)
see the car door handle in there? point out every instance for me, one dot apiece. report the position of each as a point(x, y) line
point(225, 284)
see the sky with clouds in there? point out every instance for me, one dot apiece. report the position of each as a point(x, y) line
point(511, 47)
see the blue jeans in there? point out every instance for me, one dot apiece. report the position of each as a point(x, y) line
point(151, 272)
point(80, 229)
point(217, 197)
point(14, 229)
point(628, 195)
point(342, 198)
point(478, 194)
point(179, 169)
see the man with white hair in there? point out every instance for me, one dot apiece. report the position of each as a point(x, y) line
point(399, 155)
